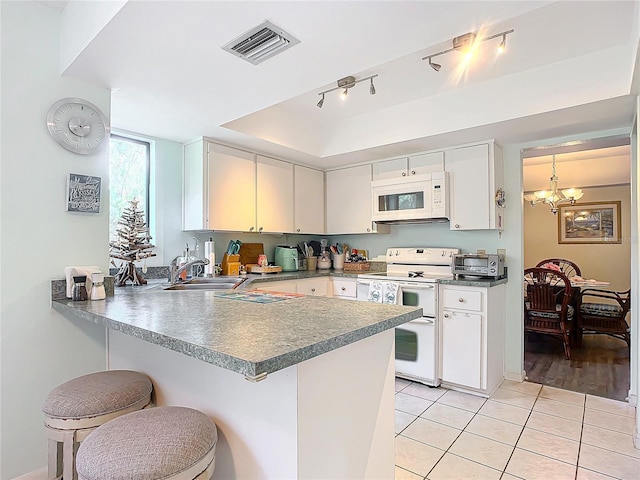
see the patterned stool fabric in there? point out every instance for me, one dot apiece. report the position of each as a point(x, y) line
point(156, 443)
point(75, 408)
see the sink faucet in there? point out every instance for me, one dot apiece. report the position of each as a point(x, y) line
point(175, 270)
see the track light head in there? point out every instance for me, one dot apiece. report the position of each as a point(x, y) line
point(344, 93)
point(435, 66)
point(372, 88)
point(321, 102)
point(503, 44)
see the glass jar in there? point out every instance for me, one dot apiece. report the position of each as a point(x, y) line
point(79, 292)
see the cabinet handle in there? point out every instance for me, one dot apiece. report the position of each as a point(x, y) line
point(404, 174)
point(260, 229)
point(368, 229)
point(461, 300)
point(297, 229)
point(457, 226)
point(251, 229)
point(313, 290)
point(343, 289)
point(413, 172)
point(446, 315)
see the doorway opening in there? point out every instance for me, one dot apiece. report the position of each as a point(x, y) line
point(602, 169)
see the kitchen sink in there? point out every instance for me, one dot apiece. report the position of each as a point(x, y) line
point(213, 283)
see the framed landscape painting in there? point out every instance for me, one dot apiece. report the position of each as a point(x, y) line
point(597, 222)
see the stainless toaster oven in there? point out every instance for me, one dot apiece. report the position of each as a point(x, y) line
point(477, 265)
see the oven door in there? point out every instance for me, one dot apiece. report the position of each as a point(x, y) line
point(416, 341)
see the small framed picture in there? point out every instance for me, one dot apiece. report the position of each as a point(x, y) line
point(83, 193)
point(597, 222)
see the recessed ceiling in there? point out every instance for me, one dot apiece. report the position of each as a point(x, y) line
point(171, 79)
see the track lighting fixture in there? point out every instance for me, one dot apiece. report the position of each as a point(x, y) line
point(466, 44)
point(435, 66)
point(346, 83)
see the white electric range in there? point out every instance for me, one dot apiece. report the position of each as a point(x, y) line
point(416, 271)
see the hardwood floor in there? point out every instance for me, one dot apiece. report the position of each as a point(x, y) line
point(600, 367)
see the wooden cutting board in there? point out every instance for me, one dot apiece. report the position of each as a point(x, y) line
point(249, 252)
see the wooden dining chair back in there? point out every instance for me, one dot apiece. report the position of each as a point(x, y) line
point(604, 312)
point(567, 267)
point(546, 305)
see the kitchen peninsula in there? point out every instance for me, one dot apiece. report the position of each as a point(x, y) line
point(320, 400)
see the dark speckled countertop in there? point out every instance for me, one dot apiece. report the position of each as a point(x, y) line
point(249, 338)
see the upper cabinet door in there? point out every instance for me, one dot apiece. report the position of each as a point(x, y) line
point(308, 185)
point(426, 163)
point(232, 189)
point(274, 195)
point(469, 187)
point(396, 168)
point(194, 188)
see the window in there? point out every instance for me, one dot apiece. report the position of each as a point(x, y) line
point(129, 164)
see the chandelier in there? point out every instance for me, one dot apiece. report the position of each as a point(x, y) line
point(554, 197)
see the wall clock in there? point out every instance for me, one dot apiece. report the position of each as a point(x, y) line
point(77, 125)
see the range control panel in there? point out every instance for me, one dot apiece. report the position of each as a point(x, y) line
point(422, 255)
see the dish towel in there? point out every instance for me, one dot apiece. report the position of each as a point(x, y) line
point(384, 292)
point(70, 272)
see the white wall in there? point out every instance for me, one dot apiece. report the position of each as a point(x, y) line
point(39, 348)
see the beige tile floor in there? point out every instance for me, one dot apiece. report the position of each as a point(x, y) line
point(524, 431)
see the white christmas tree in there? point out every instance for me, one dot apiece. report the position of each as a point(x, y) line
point(133, 244)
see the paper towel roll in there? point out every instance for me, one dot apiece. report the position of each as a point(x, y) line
point(209, 254)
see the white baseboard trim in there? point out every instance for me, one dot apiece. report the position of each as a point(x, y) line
point(515, 377)
point(633, 399)
point(636, 438)
point(39, 474)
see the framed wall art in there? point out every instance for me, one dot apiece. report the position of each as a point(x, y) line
point(596, 222)
point(83, 193)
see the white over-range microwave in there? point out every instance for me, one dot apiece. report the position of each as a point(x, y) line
point(411, 200)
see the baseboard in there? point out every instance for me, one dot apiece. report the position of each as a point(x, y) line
point(515, 377)
point(40, 474)
point(633, 399)
point(636, 438)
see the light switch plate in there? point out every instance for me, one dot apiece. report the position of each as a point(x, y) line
point(502, 251)
point(481, 251)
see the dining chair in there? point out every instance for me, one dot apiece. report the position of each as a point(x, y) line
point(604, 312)
point(567, 267)
point(546, 305)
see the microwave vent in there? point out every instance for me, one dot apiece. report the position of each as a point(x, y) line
point(261, 43)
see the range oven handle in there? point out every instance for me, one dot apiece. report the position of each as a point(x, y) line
point(412, 285)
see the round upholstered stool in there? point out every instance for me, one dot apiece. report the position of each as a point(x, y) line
point(75, 408)
point(175, 443)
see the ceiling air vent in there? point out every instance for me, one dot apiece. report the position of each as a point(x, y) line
point(261, 43)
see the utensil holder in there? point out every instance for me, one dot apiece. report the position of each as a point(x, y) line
point(311, 263)
point(338, 261)
point(230, 264)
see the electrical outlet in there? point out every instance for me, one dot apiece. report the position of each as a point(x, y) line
point(502, 251)
point(481, 251)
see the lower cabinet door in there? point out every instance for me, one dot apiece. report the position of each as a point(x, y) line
point(462, 348)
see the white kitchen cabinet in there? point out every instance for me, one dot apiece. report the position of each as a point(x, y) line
point(274, 195)
point(472, 337)
point(344, 288)
point(308, 207)
point(231, 190)
point(317, 287)
point(348, 195)
point(475, 176)
point(408, 166)
point(284, 286)
point(231, 198)
point(219, 189)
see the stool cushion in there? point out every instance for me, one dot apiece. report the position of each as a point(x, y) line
point(146, 445)
point(97, 394)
